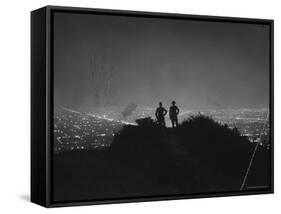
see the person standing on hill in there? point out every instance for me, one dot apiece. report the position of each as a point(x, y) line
point(173, 113)
point(160, 115)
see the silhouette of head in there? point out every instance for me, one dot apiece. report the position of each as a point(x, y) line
point(160, 104)
point(173, 103)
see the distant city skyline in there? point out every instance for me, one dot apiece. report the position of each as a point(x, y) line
point(114, 61)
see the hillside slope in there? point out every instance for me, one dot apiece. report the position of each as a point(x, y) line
point(200, 156)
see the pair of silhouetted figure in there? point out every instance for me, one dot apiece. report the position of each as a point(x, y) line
point(173, 113)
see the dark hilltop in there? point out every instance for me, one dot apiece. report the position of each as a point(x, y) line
point(199, 156)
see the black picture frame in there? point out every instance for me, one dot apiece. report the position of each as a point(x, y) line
point(42, 103)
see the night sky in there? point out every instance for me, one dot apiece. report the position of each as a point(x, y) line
point(199, 64)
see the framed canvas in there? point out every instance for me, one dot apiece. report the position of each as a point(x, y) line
point(137, 106)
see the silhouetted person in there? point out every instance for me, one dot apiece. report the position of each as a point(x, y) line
point(173, 112)
point(160, 115)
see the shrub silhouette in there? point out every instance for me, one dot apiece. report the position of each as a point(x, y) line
point(147, 121)
point(216, 152)
point(217, 145)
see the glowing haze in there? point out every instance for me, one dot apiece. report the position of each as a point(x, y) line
point(110, 61)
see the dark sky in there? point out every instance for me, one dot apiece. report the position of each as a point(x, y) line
point(200, 65)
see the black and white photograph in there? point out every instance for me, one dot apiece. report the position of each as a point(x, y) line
point(146, 106)
point(139, 107)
